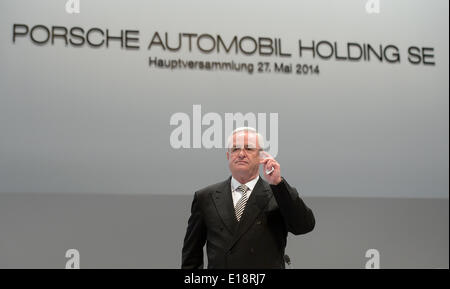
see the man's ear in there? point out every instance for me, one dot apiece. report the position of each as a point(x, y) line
point(228, 155)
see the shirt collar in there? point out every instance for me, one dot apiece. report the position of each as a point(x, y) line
point(251, 184)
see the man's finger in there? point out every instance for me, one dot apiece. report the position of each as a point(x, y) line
point(264, 161)
point(268, 172)
point(272, 162)
point(266, 155)
point(269, 166)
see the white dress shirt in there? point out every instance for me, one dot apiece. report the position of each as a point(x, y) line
point(237, 194)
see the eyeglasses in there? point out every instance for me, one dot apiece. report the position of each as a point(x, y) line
point(236, 150)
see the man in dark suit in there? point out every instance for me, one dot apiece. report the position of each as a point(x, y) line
point(244, 220)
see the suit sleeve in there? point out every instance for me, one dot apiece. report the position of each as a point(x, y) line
point(299, 219)
point(192, 253)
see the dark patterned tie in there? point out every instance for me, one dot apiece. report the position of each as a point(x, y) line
point(240, 206)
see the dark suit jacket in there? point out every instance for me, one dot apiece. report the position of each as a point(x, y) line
point(258, 240)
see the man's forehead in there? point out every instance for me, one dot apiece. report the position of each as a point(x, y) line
point(244, 136)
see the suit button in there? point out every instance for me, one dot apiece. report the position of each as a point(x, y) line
point(258, 222)
point(252, 250)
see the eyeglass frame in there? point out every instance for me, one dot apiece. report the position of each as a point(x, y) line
point(247, 149)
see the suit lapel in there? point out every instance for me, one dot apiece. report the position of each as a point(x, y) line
point(258, 200)
point(223, 201)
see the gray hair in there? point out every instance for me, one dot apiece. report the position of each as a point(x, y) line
point(245, 128)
